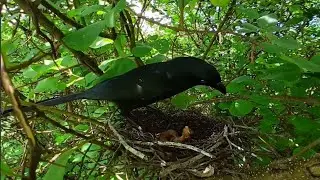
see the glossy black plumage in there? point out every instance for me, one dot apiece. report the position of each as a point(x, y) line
point(150, 83)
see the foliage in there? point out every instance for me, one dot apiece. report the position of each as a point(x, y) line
point(267, 52)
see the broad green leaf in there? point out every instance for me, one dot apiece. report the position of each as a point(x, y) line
point(316, 59)
point(153, 37)
point(307, 155)
point(68, 61)
point(259, 99)
point(29, 73)
point(77, 158)
point(303, 64)
point(224, 106)
point(249, 12)
point(271, 48)
point(6, 170)
point(84, 10)
point(42, 69)
point(81, 39)
point(62, 138)
point(93, 147)
point(267, 20)
point(294, 20)
point(73, 79)
point(298, 91)
point(116, 67)
point(57, 172)
point(119, 43)
point(182, 100)
point(156, 58)
point(51, 84)
point(304, 125)
point(110, 19)
point(240, 108)
point(268, 124)
point(235, 87)
point(82, 127)
point(287, 42)
point(100, 111)
point(91, 9)
point(100, 42)
point(221, 3)
point(241, 79)
point(121, 5)
point(250, 27)
point(161, 45)
point(286, 72)
point(87, 80)
point(141, 51)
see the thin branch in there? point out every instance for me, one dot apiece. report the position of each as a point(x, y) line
point(177, 145)
point(225, 19)
point(125, 145)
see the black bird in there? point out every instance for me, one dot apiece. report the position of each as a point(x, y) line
point(148, 84)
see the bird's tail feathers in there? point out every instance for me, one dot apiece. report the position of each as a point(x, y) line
point(61, 100)
point(50, 102)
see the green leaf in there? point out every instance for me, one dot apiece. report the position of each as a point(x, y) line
point(100, 111)
point(286, 72)
point(50, 84)
point(156, 58)
point(100, 42)
point(68, 61)
point(224, 106)
point(84, 10)
point(303, 64)
point(249, 12)
point(182, 100)
point(62, 138)
point(141, 51)
point(250, 27)
point(304, 126)
point(93, 147)
point(235, 87)
point(121, 5)
point(268, 124)
point(267, 20)
point(259, 99)
point(81, 39)
point(307, 155)
point(287, 42)
point(240, 108)
point(29, 73)
point(221, 3)
point(57, 172)
point(241, 79)
point(161, 45)
point(116, 67)
point(270, 48)
point(109, 19)
point(82, 127)
point(6, 170)
point(119, 43)
point(316, 59)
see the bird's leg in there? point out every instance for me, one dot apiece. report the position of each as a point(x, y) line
point(129, 117)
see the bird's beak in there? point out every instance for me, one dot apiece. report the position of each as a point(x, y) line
point(220, 87)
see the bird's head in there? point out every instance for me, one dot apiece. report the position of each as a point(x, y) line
point(211, 77)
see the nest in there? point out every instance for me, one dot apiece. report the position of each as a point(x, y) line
point(216, 147)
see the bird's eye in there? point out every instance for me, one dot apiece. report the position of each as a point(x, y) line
point(202, 81)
